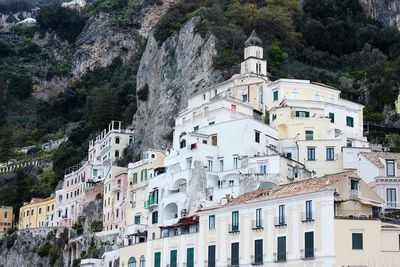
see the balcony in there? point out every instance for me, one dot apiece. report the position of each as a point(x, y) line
point(307, 216)
point(151, 202)
point(257, 225)
point(280, 221)
point(355, 193)
point(232, 229)
point(392, 205)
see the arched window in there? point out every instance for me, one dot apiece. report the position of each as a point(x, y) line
point(116, 154)
point(132, 262)
point(142, 261)
point(117, 140)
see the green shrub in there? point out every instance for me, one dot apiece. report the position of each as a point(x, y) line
point(54, 254)
point(11, 240)
point(78, 227)
point(96, 226)
point(44, 249)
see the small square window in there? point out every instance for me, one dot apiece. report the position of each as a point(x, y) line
point(350, 121)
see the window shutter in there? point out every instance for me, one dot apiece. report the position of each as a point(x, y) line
point(173, 258)
point(190, 257)
point(157, 259)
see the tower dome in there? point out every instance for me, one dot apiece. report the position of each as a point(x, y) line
point(253, 40)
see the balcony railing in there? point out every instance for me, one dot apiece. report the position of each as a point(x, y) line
point(233, 228)
point(152, 201)
point(392, 205)
point(307, 216)
point(280, 221)
point(257, 225)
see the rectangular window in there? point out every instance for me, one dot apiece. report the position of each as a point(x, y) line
point(309, 245)
point(309, 135)
point(211, 222)
point(235, 162)
point(391, 197)
point(211, 256)
point(309, 215)
point(273, 117)
point(135, 178)
point(349, 121)
point(311, 153)
point(357, 240)
point(390, 168)
point(190, 257)
point(235, 221)
point(302, 114)
point(214, 140)
point(263, 169)
point(221, 165)
point(281, 255)
point(235, 254)
point(332, 117)
point(173, 258)
point(259, 218)
point(330, 153)
point(281, 214)
point(157, 259)
point(258, 251)
point(245, 98)
point(137, 219)
point(257, 136)
point(154, 217)
point(210, 165)
point(276, 95)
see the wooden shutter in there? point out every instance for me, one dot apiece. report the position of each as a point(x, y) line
point(258, 251)
point(282, 248)
point(235, 254)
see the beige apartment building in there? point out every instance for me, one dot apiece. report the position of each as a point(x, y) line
point(6, 219)
point(37, 213)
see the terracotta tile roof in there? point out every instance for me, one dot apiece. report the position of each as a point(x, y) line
point(375, 157)
point(291, 189)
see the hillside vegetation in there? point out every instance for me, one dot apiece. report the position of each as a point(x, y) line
point(328, 41)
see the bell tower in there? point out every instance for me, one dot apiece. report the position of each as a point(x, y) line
point(254, 62)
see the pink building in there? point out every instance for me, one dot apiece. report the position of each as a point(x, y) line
point(115, 188)
point(381, 171)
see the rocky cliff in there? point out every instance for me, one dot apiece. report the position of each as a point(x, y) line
point(100, 43)
point(385, 11)
point(170, 73)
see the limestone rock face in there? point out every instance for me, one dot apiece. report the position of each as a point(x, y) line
point(171, 72)
point(99, 44)
point(385, 11)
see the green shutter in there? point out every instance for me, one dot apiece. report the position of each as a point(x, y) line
point(258, 251)
point(276, 95)
point(190, 257)
point(332, 117)
point(157, 259)
point(211, 256)
point(235, 254)
point(173, 258)
point(349, 121)
point(135, 178)
point(282, 248)
point(309, 135)
point(309, 244)
point(357, 241)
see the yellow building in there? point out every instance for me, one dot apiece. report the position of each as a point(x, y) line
point(37, 213)
point(6, 218)
point(328, 221)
